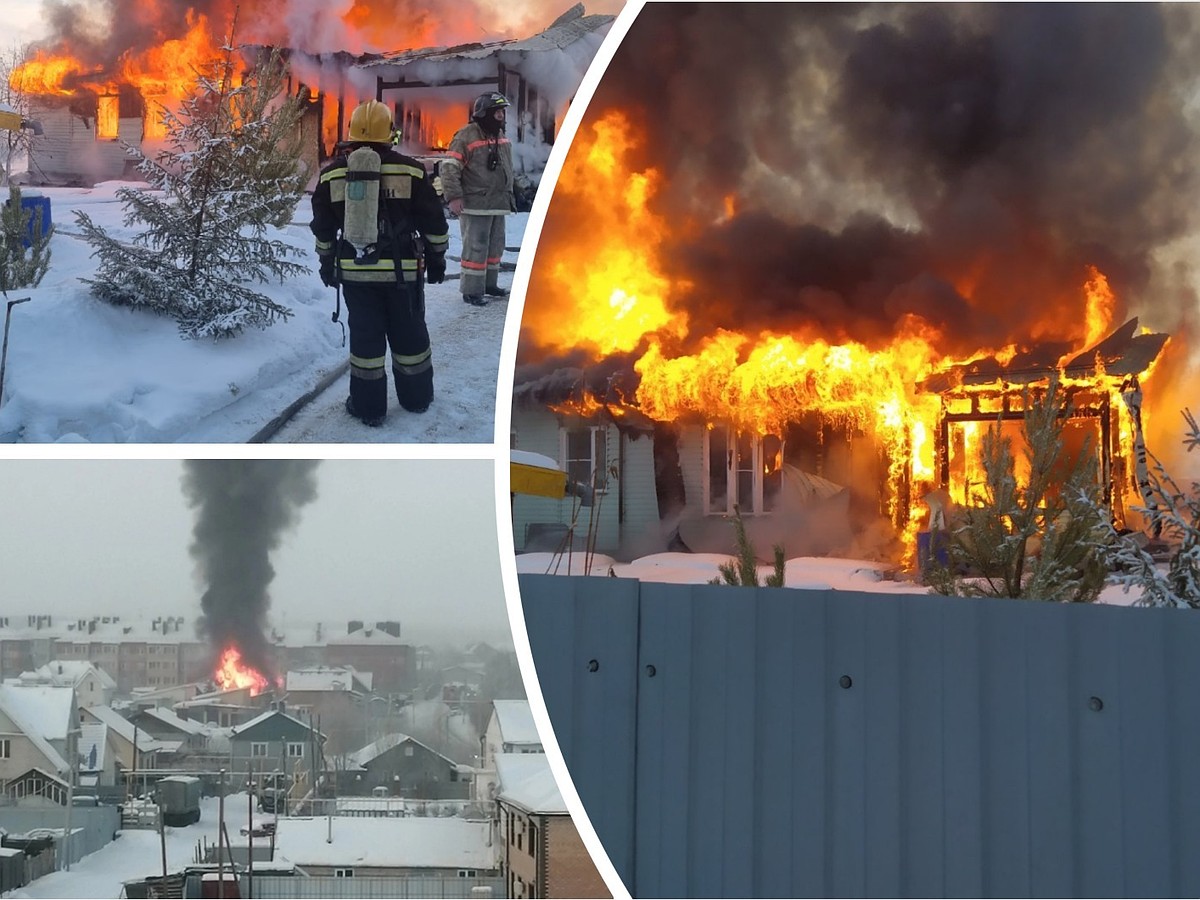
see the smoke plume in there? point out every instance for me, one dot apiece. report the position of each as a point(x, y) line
point(960, 163)
point(243, 508)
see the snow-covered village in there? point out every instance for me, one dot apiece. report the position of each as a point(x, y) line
point(325, 717)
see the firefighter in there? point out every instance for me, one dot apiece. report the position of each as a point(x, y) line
point(477, 181)
point(380, 231)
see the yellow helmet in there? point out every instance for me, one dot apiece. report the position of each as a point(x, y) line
point(371, 122)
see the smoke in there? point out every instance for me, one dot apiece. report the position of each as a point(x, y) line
point(959, 163)
point(100, 31)
point(243, 508)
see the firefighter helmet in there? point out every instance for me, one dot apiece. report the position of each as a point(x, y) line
point(371, 122)
point(485, 103)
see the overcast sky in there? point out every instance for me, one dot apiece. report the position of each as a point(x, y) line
point(413, 540)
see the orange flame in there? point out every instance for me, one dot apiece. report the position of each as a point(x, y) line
point(231, 673)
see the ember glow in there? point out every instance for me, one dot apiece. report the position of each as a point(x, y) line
point(231, 673)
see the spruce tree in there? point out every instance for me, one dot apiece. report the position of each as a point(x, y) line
point(231, 169)
point(22, 266)
point(743, 568)
point(1174, 514)
point(1057, 513)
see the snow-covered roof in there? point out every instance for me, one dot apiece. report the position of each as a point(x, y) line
point(411, 842)
point(73, 671)
point(49, 708)
point(527, 782)
point(327, 679)
point(566, 30)
point(30, 730)
point(262, 717)
point(375, 749)
point(122, 726)
point(168, 717)
point(516, 722)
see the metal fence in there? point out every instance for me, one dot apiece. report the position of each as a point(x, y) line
point(764, 742)
point(91, 827)
point(276, 886)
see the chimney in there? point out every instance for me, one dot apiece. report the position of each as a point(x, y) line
point(354, 626)
point(392, 628)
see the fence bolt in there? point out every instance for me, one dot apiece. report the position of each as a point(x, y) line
point(593, 665)
point(651, 671)
point(1095, 704)
point(845, 681)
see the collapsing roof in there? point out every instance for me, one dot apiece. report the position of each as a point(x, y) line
point(1123, 353)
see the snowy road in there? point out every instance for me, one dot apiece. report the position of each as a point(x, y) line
point(466, 355)
point(137, 854)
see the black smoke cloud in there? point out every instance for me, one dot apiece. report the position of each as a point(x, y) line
point(243, 509)
point(883, 156)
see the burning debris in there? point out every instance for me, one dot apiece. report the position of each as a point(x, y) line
point(243, 507)
point(831, 241)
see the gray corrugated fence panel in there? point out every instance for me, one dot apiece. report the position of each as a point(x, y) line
point(821, 743)
point(575, 625)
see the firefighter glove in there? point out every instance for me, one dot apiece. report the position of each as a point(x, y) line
point(435, 268)
point(328, 272)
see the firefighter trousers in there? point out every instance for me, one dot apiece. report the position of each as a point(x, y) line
point(383, 315)
point(482, 247)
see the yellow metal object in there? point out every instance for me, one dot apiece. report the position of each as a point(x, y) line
point(536, 480)
point(10, 120)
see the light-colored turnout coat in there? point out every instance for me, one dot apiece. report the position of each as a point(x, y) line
point(465, 174)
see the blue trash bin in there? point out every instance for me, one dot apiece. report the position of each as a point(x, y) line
point(38, 208)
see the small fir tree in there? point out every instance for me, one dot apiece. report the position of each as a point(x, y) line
point(742, 570)
point(1173, 514)
point(231, 169)
point(1057, 513)
point(24, 248)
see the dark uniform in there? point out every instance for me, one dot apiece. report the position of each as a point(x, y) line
point(385, 296)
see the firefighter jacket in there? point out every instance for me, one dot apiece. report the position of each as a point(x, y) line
point(412, 223)
point(467, 172)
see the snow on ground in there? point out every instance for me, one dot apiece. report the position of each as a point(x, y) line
point(807, 572)
point(79, 370)
point(138, 853)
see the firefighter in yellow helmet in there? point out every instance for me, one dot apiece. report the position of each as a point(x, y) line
point(380, 234)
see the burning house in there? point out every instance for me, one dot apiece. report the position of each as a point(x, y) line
point(94, 95)
point(900, 232)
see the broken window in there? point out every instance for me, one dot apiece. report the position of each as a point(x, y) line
point(585, 455)
point(742, 470)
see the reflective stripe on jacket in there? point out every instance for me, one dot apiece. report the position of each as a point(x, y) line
point(413, 211)
point(465, 174)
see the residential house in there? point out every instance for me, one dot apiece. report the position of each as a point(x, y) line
point(224, 709)
point(35, 746)
point(542, 854)
point(339, 701)
point(816, 482)
point(401, 766)
point(511, 730)
point(275, 741)
point(412, 846)
point(163, 724)
point(377, 649)
point(93, 686)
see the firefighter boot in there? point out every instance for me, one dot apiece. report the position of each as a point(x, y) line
point(372, 421)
